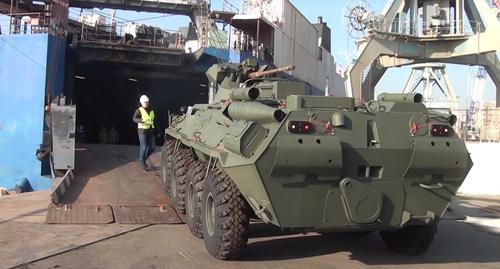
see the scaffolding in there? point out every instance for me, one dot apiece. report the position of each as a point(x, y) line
point(428, 77)
point(94, 25)
point(35, 18)
point(486, 126)
point(25, 23)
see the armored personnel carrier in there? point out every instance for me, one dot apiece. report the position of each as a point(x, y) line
point(263, 149)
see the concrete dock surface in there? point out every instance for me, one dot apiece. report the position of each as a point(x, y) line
point(468, 237)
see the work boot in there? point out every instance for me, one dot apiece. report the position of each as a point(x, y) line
point(144, 166)
point(151, 165)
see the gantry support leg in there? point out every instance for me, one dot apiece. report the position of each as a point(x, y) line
point(492, 66)
point(458, 52)
point(373, 77)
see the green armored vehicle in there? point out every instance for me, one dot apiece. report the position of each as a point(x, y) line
point(263, 149)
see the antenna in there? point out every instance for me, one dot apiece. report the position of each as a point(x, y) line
point(354, 13)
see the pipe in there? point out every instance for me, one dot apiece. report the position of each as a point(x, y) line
point(248, 94)
point(253, 111)
point(400, 97)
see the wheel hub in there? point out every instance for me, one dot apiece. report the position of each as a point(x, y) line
point(173, 186)
point(164, 173)
point(210, 214)
point(191, 200)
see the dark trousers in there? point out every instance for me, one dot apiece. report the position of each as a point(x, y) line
point(147, 145)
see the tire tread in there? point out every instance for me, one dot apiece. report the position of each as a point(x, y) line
point(232, 221)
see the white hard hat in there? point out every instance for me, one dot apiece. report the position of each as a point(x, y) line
point(144, 99)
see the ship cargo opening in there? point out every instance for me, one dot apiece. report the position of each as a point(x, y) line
point(106, 96)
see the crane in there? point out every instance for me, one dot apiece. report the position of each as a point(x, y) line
point(476, 92)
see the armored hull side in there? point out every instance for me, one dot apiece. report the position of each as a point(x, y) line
point(309, 163)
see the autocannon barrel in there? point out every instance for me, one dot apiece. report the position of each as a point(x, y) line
point(400, 97)
point(248, 94)
point(260, 74)
point(253, 111)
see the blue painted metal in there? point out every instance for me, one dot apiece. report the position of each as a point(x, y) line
point(210, 56)
point(222, 54)
point(25, 69)
point(239, 57)
point(55, 65)
point(23, 185)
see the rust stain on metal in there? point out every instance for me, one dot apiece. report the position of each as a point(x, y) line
point(79, 215)
point(145, 215)
point(163, 208)
point(103, 181)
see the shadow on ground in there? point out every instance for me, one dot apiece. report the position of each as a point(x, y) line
point(455, 242)
point(110, 175)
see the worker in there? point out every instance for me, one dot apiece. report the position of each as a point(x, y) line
point(144, 116)
point(103, 135)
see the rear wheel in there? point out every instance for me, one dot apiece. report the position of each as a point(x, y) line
point(167, 152)
point(224, 217)
point(195, 178)
point(410, 240)
point(183, 158)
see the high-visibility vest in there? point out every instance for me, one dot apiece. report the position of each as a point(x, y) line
point(148, 120)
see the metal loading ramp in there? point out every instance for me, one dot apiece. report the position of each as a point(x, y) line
point(107, 186)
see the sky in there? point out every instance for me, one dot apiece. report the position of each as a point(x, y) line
point(331, 11)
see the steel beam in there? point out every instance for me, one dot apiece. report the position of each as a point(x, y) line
point(96, 52)
point(375, 73)
point(170, 7)
point(472, 11)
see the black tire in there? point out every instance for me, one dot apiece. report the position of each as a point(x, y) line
point(181, 161)
point(167, 152)
point(411, 240)
point(194, 189)
point(224, 217)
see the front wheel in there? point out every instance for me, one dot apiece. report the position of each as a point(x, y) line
point(410, 240)
point(195, 178)
point(167, 152)
point(181, 161)
point(224, 216)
